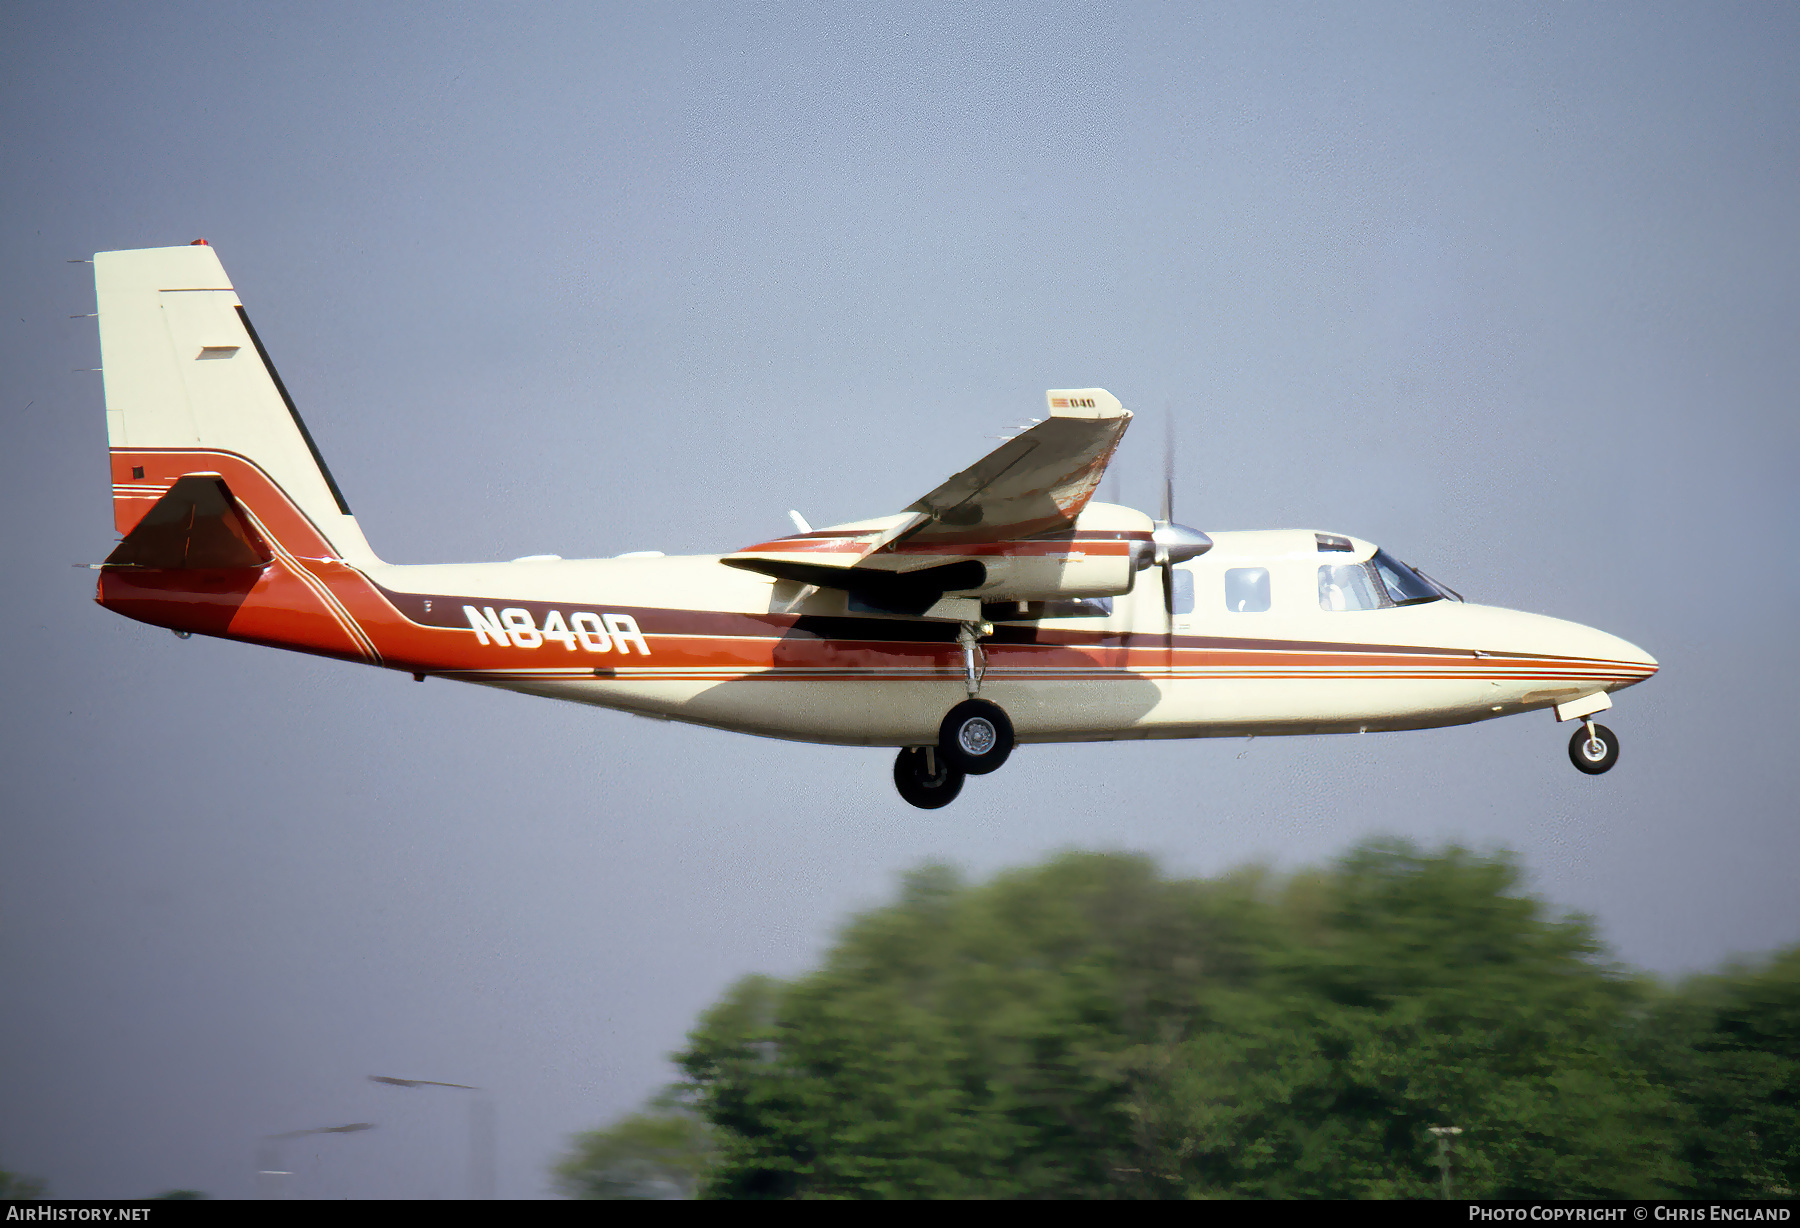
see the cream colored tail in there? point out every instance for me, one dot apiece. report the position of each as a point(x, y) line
point(186, 373)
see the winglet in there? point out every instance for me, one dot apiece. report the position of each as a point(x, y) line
point(1092, 403)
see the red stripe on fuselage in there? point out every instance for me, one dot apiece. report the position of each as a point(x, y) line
point(277, 606)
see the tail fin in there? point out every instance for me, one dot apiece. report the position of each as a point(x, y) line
point(190, 389)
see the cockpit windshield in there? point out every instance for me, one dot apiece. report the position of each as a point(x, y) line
point(1379, 584)
point(1404, 585)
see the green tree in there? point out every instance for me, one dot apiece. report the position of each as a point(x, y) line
point(14, 1185)
point(1423, 990)
point(1727, 1047)
point(1092, 1028)
point(661, 1153)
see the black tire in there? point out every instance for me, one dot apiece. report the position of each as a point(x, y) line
point(976, 737)
point(919, 786)
point(1583, 756)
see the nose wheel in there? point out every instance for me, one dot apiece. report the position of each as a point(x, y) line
point(925, 778)
point(1594, 748)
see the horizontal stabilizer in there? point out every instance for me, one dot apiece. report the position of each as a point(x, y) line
point(197, 524)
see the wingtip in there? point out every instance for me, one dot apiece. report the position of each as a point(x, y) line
point(1089, 403)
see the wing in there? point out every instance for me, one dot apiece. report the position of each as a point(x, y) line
point(1036, 483)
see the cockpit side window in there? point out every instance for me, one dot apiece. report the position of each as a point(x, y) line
point(1350, 586)
point(1247, 590)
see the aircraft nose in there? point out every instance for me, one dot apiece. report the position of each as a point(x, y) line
point(1621, 657)
point(1634, 662)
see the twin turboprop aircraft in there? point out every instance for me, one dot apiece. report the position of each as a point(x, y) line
point(1004, 607)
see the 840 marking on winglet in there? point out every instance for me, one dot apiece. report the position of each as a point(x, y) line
point(514, 627)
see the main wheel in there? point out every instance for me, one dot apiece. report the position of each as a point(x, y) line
point(976, 737)
point(921, 786)
point(1596, 754)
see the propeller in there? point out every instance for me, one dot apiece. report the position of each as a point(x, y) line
point(1174, 543)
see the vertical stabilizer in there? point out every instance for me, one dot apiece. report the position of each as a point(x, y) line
point(189, 385)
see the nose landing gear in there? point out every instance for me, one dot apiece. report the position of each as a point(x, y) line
point(1594, 748)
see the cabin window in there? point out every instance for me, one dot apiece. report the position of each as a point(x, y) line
point(1181, 591)
point(1350, 586)
point(1247, 590)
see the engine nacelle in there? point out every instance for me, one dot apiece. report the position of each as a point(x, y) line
point(1058, 571)
point(1100, 558)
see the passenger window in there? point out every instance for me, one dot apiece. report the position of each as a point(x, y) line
point(1247, 590)
point(1181, 591)
point(1348, 587)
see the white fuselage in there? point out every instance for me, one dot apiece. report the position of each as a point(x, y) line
point(735, 650)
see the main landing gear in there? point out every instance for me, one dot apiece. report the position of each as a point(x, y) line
point(925, 778)
point(974, 739)
point(1594, 748)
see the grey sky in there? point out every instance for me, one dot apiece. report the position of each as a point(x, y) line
point(1508, 289)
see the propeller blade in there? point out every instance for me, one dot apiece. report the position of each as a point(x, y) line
point(1174, 543)
point(1168, 493)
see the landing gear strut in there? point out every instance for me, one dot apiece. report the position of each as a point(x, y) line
point(969, 637)
point(925, 778)
point(975, 738)
point(1594, 748)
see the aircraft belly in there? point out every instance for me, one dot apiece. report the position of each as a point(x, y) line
point(1116, 706)
point(1225, 707)
point(844, 712)
point(887, 712)
point(864, 712)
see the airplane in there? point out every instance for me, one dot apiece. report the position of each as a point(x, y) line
point(1005, 606)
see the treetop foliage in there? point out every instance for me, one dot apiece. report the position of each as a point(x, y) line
point(659, 1154)
point(1092, 1027)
